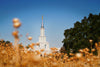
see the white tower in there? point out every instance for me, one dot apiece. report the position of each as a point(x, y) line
point(42, 39)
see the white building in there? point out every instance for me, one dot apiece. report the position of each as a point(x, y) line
point(42, 38)
point(43, 44)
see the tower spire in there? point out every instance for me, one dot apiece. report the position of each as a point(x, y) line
point(42, 23)
point(42, 39)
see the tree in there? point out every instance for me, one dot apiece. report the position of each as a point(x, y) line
point(78, 37)
point(7, 42)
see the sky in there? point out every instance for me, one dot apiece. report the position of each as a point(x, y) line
point(58, 15)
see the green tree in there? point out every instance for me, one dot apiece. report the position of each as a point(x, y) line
point(78, 37)
point(7, 42)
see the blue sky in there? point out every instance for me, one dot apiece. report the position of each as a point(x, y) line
point(58, 16)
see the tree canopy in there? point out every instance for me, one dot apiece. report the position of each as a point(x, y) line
point(78, 37)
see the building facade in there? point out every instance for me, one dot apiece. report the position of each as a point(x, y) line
point(42, 38)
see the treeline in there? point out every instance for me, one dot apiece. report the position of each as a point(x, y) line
point(8, 44)
point(83, 35)
point(5, 43)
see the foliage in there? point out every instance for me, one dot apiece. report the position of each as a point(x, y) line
point(78, 37)
point(5, 43)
